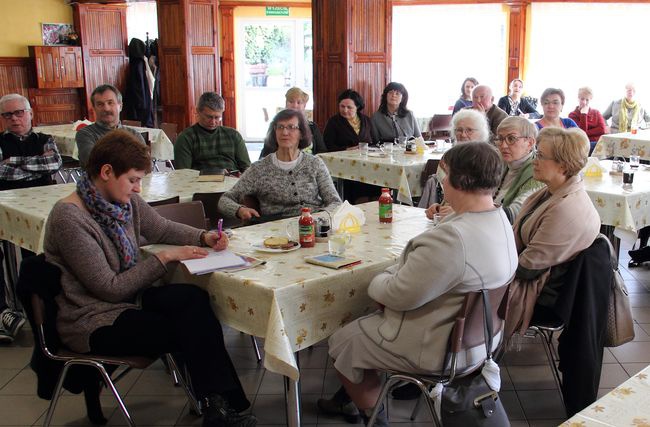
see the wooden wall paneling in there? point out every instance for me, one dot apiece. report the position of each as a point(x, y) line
point(103, 39)
point(516, 39)
point(228, 89)
point(54, 106)
point(204, 50)
point(15, 75)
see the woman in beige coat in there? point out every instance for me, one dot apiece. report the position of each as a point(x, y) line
point(554, 224)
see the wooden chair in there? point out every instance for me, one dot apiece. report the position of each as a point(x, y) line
point(169, 201)
point(135, 123)
point(210, 205)
point(189, 213)
point(440, 126)
point(467, 333)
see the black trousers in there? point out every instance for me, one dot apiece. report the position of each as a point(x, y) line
point(8, 296)
point(176, 318)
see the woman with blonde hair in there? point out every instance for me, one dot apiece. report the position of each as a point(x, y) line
point(588, 119)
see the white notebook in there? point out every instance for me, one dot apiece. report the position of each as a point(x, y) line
point(214, 261)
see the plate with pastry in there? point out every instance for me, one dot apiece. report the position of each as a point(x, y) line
point(277, 245)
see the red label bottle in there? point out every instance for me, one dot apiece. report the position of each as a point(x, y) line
point(385, 206)
point(307, 230)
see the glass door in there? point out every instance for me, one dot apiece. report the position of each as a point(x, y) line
point(272, 55)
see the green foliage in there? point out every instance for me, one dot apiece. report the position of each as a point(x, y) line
point(262, 43)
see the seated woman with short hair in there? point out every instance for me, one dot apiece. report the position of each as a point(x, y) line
point(516, 142)
point(107, 303)
point(420, 296)
point(284, 181)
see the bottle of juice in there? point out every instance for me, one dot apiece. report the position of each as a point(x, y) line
point(385, 206)
point(307, 229)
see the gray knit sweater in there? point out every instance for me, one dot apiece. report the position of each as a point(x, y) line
point(282, 192)
point(94, 292)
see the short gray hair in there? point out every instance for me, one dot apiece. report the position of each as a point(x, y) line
point(519, 124)
point(13, 97)
point(104, 88)
point(211, 100)
point(478, 120)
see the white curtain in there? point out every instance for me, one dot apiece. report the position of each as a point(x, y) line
point(142, 18)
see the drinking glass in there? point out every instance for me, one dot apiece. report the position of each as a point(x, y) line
point(337, 243)
point(634, 161)
point(363, 148)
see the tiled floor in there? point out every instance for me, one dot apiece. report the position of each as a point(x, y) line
point(528, 391)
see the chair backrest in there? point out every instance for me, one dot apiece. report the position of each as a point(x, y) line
point(171, 130)
point(429, 169)
point(135, 123)
point(189, 213)
point(171, 200)
point(468, 330)
point(439, 122)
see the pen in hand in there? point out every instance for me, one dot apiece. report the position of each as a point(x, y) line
point(220, 227)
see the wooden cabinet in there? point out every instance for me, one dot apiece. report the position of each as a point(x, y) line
point(57, 66)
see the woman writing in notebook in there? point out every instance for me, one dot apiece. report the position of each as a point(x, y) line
point(107, 304)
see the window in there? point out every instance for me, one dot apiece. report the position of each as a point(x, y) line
point(141, 18)
point(436, 47)
point(601, 45)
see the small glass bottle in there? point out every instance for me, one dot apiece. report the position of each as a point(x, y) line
point(306, 229)
point(385, 206)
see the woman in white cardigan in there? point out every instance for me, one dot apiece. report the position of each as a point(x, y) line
point(419, 297)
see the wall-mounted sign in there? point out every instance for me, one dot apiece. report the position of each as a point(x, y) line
point(277, 11)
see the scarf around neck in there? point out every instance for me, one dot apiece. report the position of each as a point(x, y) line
point(113, 218)
point(623, 124)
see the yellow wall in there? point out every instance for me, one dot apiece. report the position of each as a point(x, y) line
point(21, 23)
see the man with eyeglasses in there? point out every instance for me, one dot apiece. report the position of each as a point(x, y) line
point(106, 102)
point(483, 101)
point(29, 159)
point(207, 145)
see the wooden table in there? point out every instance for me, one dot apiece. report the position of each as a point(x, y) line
point(64, 136)
point(624, 144)
point(399, 171)
point(626, 405)
point(294, 305)
point(23, 212)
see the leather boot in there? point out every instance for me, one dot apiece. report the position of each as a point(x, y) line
point(218, 413)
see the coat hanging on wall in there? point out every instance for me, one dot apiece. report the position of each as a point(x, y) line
point(138, 103)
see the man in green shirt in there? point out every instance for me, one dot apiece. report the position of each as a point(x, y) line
point(207, 145)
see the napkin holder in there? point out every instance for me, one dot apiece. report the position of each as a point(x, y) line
point(593, 169)
point(348, 218)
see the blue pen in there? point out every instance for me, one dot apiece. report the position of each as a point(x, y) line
point(220, 226)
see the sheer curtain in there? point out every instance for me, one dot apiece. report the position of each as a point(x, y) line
point(601, 45)
point(435, 47)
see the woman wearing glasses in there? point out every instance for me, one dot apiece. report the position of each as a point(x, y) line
point(552, 103)
point(287, 179)
point(393, 119)
point(516, 143)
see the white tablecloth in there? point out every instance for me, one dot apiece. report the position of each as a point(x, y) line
point(64, 136)
point(624, 144)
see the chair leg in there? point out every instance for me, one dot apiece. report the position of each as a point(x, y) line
point(256, 348)
point(196, 408)
point(553, 358)
point(55, 396)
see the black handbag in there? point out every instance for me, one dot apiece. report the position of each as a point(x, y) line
point(468, 401)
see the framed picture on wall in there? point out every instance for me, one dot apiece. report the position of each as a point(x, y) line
point(57, 34)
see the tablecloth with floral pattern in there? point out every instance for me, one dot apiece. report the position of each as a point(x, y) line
point(23, 212)
point(624, 144)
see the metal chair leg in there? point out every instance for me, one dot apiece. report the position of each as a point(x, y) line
point(257, 349)
point(185, 384)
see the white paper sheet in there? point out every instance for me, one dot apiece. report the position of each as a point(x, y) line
point(214, 261)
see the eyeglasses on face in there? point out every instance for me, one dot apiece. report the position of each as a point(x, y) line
point(509, 139)
point(541, 156)
point(554, 103)
point(289, 128)
point(17, 113)
point(466, 131)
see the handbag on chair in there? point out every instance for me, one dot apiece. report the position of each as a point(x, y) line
point(620, 324)
point(469, 401)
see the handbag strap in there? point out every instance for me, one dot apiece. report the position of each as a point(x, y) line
point(487, 324)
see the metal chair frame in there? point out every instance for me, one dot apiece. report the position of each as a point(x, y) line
point(546, 332)
point(464, 335)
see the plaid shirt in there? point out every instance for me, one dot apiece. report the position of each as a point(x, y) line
point(29, 168)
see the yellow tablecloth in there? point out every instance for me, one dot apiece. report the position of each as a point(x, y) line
point(161, 147)
point(294, 304)
point(399, 171)
point(626, 405)
point(624, 208)
point(623, 144)
point(23, 212)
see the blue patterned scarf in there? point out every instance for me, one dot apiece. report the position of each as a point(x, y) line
point(112, 218)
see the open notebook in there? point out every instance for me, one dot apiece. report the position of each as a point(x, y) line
point(220, 260)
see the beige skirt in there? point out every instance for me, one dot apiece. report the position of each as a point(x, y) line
point(353, 352)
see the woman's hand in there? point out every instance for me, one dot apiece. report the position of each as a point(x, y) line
point(213, 240)
point(584, 110)
point(354, 147)
point(181, 253)
point(245, 213)
point(437, 208)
